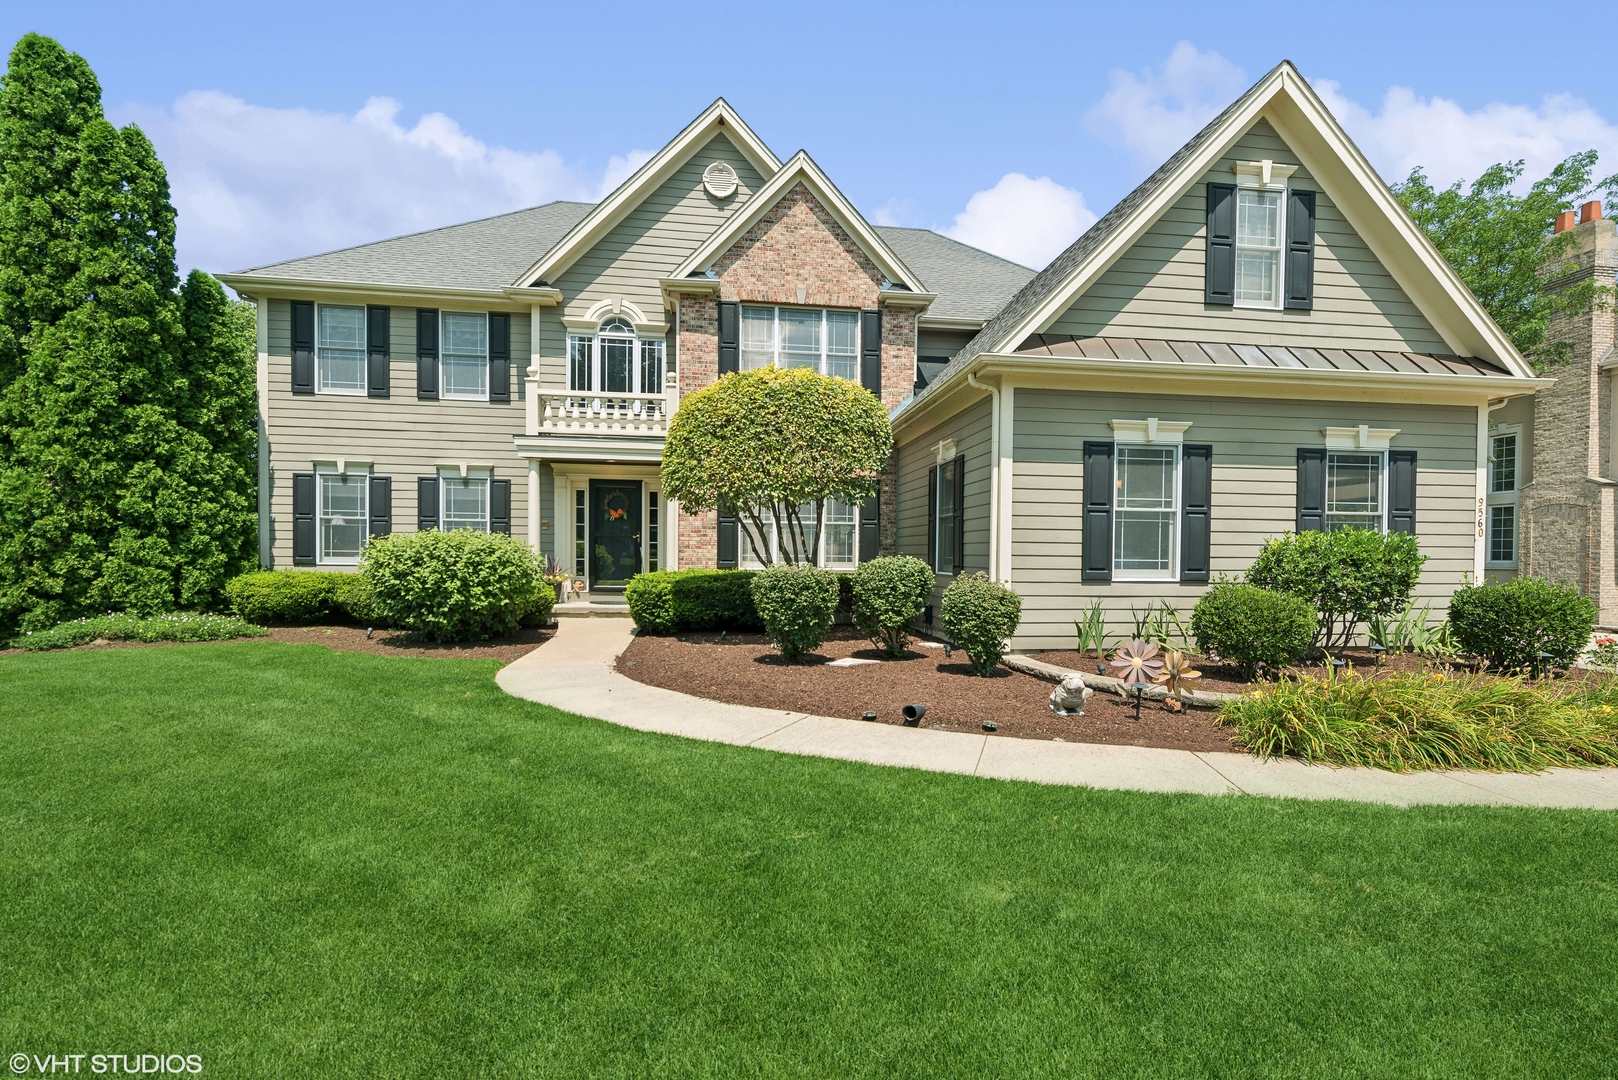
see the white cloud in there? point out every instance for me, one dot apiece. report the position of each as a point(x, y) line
point(255, 184)
point(1025, 220)
point(1452, 143)
point(1153, 115)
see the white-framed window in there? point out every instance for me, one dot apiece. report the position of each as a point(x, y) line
point(343, 512)
point(820, 338)
point(339, 349)
point(463, 502)
point(1260, 214)
point(614, 360)
point(946, 522)
point(839, 537)
point(1357, 490)
point(464, 365)
point(1505, 461)
point(1146, 513)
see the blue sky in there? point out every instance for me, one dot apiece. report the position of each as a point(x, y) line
point(305, 126)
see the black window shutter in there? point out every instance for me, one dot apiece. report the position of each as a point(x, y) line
point(1098, 511)
point(303, 347)
point(381, 523)
point(1300, 250)
point(303, 519)
point(1311, 488)
point(426, 503)
point(729, 541)
point(500, 357)
point(500, 506)
point(932, 517)
point(1402, 491)
point(871, 352)
point(1196, 515)
point(960, 513)
point(730, 337)
point(427, 358)
point(870, 537)
point(377, 351)
point(1221, 259)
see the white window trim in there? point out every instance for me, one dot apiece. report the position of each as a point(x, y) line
point(365, 352)
point(443, 355)
point(344, 469)
point(1362, 437)
point(825, 335)
point(745, 548)
point(591, 340)
point(1173, 572)
point(1381, 476)
point(1150, 431)
point(936, 497)
point(1249, 182)
point(464, 471)
point(1512, 498)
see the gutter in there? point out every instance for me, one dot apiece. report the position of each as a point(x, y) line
point(994, 472)
point(250, 286)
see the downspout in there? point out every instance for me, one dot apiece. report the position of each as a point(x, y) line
point(994, 472)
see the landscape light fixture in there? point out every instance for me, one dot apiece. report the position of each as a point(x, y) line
point(990, 725)
point(868, 715)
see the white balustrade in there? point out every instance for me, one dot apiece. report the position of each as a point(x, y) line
point(626, 414)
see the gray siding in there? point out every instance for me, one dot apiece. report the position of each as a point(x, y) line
point(944, 343)
point(1254, 492)
point(649, 243)
point(1156, 288)
point(971, 429)
point(400, 436)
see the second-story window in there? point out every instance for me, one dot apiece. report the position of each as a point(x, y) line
point(818, 338)
point(465, 364)
point(340, 350)
point(614, 360)
point(1258, 248)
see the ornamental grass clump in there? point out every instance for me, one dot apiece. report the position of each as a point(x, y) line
point(981, 615)
point(455, 586)
point(797, 604)
point(890, 593)
point(1411, 721)
point(181, 626)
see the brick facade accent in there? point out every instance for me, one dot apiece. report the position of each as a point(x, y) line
point(1569, 515)
point(797, 255)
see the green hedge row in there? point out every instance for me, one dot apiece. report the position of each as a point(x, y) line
point(674, 601)
point(300, 597)
point(182, 626)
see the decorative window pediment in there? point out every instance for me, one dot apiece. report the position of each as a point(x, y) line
point(1363, 437)
point(1150, 431)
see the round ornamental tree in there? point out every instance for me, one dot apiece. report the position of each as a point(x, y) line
point(772, 446)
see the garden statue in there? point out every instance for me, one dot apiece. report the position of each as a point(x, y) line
point(1070, 695)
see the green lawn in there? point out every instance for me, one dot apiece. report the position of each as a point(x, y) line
point(294, 862)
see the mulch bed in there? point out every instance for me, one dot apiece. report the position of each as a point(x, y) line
point(1220, 678)
point(745, 669)
point(352, 639)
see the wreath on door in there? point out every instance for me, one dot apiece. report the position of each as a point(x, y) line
point(617, 506)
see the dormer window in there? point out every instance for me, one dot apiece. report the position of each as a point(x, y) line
point(615, 360)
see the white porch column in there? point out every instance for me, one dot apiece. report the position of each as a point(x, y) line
point(533, 503)
point(1003, 519)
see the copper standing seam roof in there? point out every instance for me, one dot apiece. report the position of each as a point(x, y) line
point(1220, 354)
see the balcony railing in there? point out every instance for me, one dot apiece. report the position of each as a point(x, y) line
point(619, 414)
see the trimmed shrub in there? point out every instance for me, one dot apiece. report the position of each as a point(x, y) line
point(183, 626)
point(544, 604)
point(1511, 623)
point(1248, 625)
point(1347, 575)
point(1412, 720)
point(453, 586)
point(674, 601)
point(353, 598)
point(298, 597)
point(796, 604)
point(890, 594)
point(981, 615)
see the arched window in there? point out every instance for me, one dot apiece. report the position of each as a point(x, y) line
point(615, 360)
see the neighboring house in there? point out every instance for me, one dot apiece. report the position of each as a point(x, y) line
point(1553, 472)
point(1255, 340)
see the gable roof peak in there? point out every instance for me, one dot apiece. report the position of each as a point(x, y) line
point(717, 118)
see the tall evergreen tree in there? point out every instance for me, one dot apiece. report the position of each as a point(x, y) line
point(126, 446)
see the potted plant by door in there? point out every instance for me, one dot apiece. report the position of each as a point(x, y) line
point(556, 576)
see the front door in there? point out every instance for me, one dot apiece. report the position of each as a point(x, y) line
point(614, 533)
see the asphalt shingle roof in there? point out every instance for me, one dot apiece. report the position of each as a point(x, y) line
point(486, 254)
point(970, 283)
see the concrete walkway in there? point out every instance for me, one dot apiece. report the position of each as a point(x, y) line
point(574, 671)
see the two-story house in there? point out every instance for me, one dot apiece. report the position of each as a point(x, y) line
point(1257, 339)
